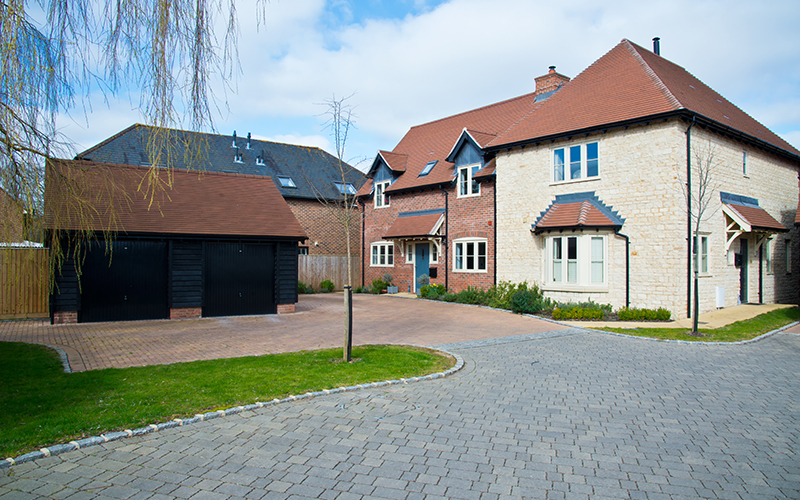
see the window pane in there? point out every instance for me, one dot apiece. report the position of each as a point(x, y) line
point(475, 187)
point(572, 260)
point(704, 255)
point(598, 260)
point(459, 256)
point(558, 165)
point(481, 256)
point(434, 252)
point(390, 255)
point(379, 195)
point(470, 256)
point(557, 262)
point(575, 162)
point(374, 256)
point(592, 165)
point(462, 181)
point(383, 255)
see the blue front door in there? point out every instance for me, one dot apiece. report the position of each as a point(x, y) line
point(422, 257)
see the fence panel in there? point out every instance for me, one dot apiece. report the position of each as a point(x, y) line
point(314, 269)
point(23, 283)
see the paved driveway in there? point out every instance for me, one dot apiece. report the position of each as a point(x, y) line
point(318, 323)
point(560, 414)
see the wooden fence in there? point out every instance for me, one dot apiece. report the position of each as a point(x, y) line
point(314, 269)
point(24, 283)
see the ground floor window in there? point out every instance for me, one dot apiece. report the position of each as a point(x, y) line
point(469, 255)
point(702, 243)
point(576, 260)
point(302, 250)
point(383, 254)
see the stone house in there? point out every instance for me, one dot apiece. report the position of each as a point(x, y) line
point(428, 205)
point(591, 201)
point(308, 178)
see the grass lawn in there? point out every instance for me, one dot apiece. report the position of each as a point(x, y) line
point(741, 330)
point(40, 405)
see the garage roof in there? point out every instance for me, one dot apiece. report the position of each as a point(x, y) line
point(82, 194)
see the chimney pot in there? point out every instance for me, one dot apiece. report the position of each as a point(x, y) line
point(552, 69)
point(657, 46)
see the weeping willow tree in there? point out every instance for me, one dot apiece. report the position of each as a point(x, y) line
point(57, 56)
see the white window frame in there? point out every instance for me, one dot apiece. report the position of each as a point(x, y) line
point(409, 253)
point(576, 271)
point(567, 153)
point(461, 249)
point(434, 252)
point(383, 249)
point(705, 254)
point(381, 198)
point(465, 179)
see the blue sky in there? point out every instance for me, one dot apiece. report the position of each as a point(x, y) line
point(407, 62)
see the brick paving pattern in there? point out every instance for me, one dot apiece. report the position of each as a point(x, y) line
point(318, 323)
point(567, 414)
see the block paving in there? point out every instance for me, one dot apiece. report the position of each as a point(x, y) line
point(566, 413)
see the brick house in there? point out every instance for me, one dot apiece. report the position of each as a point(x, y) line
point(428, 205)
point(305, 176)
point(591, 201)
point(213, 245)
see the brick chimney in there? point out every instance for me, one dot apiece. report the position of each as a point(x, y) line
point(551, 81)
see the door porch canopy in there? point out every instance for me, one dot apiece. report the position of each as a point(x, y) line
point(744, 216)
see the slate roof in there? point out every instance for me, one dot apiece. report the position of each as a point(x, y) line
point(435, 140)
point(209, 203)
point(307, 166)
point(751, 213)
point(577, 210)
point(409, 226)
point(627, 84)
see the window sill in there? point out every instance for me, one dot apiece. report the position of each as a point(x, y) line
point(575, 181)
point(575, 288)
point(460, 196)
point(465, 271)
point(381, 265)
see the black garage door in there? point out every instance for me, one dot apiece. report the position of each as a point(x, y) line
point(239, 279)
point(133, 286)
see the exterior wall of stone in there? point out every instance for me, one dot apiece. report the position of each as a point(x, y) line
point(325, 232)
point(469, 217)
point(642, 170)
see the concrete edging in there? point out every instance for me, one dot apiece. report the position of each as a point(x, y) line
point(178, 422)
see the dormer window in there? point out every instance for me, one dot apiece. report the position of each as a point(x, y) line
point(346, 188)
point(381, 198)
point(428, 168)
point(286, 182)
point(467, 185)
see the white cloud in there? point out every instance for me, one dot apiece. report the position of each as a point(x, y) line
point(462, 54)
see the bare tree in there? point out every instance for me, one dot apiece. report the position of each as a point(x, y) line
point(55, 54)
point(701, 207)
point(340, 119)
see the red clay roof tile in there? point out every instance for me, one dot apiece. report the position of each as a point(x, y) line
point(758, 218)
point(628, 83)
point(417, 225)
point(578, 214)
point(198, 203)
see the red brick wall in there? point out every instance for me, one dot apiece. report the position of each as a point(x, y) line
point(285, 308)
point(473, 216)
point(185, 312)
point(321, 226)
point(65, 317)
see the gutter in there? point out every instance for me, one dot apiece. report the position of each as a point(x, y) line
point(689, 218)
point(446, 236)
point(627, 267)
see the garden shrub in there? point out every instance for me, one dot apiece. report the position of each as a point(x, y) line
point(303, 288)
point(529, 301)
point(581, 310)
point(378, 285)
point(387, 278)
point(634, 314)
point(432, 292)
point(423, 279)
point(326, 286)
point(472, 295)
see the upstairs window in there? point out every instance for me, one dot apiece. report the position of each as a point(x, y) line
point(286, 182)
point(576, 162)
point(467, 185)
point(346, 188)
point(381, 198)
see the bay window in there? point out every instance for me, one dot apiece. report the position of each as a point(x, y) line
point(575, 261)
